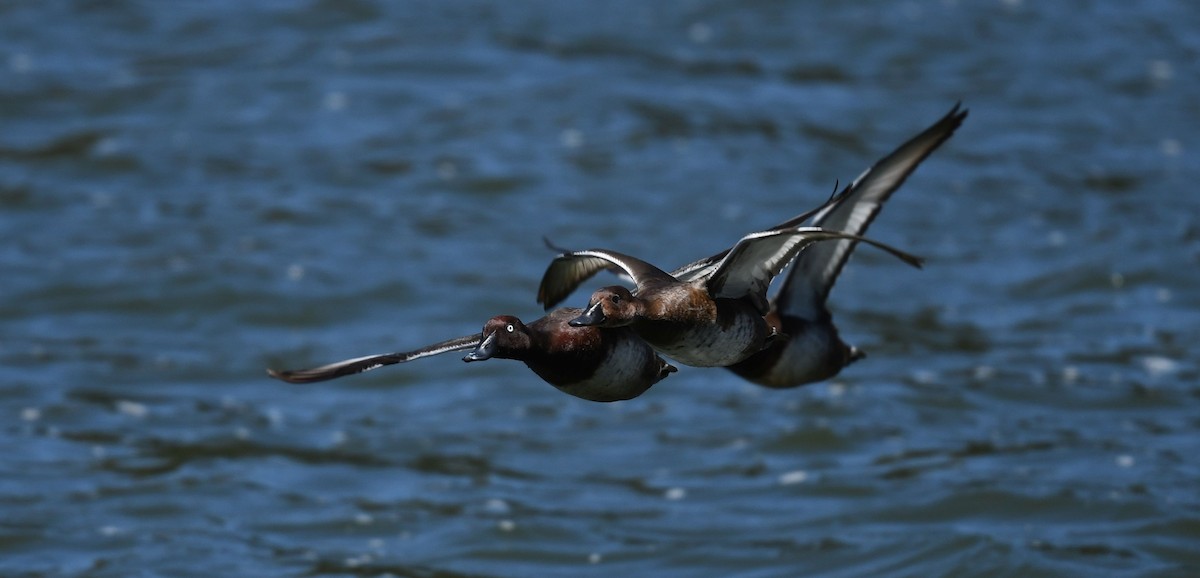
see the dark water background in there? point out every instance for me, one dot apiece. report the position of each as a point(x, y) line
point(191, 192)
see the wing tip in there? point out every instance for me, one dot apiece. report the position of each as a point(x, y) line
point(284, 375)
point(957, 114)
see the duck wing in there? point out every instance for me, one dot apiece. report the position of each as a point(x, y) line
point(758, 257)
point(850, 211)
point(611, 268)
point(369, 362)
point(705, 267)
point(701, 268)
point(815, 270)
point(568, 270)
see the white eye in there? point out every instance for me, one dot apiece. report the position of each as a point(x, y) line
point(509, 328)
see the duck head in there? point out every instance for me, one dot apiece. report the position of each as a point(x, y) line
point(611, 306)
point(503, 335)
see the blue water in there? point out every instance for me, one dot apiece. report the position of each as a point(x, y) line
point(192, 192)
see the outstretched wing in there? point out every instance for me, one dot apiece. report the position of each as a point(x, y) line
point(707, 266)
point(369, 362)
point(758, 257)
point(561, 250)
point(568, 270)
point(817, 268)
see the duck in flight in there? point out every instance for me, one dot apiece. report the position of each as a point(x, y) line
point(613, 363)
point(814, 351)
point(586, 362)
point(712, 317)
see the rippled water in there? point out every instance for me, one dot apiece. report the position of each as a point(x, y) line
point(190, 193)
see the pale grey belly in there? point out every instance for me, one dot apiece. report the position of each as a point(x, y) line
point(629, 370)
point(710, 345)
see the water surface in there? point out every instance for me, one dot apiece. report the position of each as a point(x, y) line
point(191, 193)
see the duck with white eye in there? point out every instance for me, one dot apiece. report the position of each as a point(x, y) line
point(586, 362)
point(710, 320)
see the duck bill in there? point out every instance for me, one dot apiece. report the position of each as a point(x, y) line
point(592, 316)
point(485, 350)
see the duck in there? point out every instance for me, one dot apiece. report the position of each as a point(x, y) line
point(585, 362)
point(711, 316)
point(814, 351)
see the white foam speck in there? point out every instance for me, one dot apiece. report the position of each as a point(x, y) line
point(132, 408)
point(1125, 461)
point(496, 506)
point(675, 494)
point(1057, 238)
point(363, 519)
point(985, 372)
point(924, 376)
point(109, 531)
point(792, 478)
point(594, 558)
point(295, 272)
point(1070, 374)
point(506, 525)
point(31, 414)
point(571, 138)
point(274, 416)
point(1158, 366)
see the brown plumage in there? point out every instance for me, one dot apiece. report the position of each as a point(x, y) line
point(586, 362)
point(711, 319)
point(814, 351)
